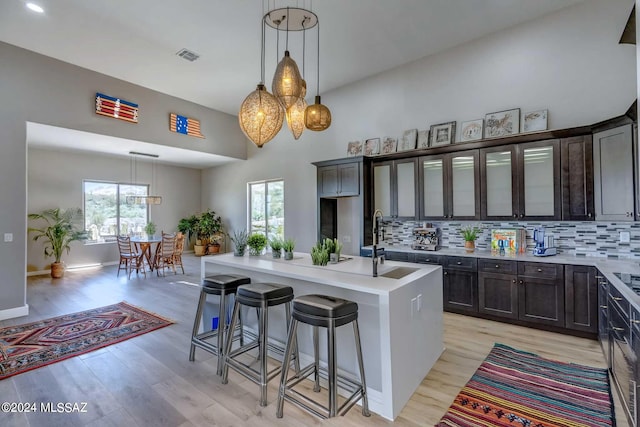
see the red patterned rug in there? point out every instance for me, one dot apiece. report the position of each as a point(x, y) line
point(515, 388)
point(33, 345)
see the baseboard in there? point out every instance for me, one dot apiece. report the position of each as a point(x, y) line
point(73, 267)
point(10, 313)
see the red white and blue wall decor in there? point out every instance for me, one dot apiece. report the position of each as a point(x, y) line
point(116, 108)
point(184, 125)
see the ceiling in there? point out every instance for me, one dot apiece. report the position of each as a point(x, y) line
point(137, 40)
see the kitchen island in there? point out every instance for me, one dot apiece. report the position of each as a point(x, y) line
point(400, 317)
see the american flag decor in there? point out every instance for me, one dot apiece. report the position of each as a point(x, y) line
point(116, 108)
point(185, 125)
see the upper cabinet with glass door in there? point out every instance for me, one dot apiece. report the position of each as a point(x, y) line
point(521, 181)
point(394, 188)
point(449, 186)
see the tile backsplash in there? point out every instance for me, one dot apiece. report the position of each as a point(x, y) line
point(593, 239)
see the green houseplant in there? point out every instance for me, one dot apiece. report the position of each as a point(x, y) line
point(256, 242)
point(320, 252)
point(150, 228)
point(470, 234)
point(188, 226)
point(287, 246)
point(208, 229)
point(239, 239)
point(276, 247)
point(59, 230)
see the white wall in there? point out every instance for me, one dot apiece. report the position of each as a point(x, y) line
point(55, 180)
point(569, 62)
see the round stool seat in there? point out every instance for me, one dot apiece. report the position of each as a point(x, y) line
point(322, 310)
point(253, 295)
point(215, 284)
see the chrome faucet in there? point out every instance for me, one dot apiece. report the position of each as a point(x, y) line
point(377, 215)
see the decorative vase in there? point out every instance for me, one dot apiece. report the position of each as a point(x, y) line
point(57, 270)
point(238, 252)
point(288, 256)
point(470, 245)
point(276, 253)
point(255, 251)
point(334, 257)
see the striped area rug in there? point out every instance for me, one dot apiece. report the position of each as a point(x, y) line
point(516, 388)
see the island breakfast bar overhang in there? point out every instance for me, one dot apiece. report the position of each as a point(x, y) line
point(400, 319)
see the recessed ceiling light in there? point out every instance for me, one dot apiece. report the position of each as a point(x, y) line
point(35, 7)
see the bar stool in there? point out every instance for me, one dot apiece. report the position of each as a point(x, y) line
point(327, 312)
point(221, 285)
point(261, 296)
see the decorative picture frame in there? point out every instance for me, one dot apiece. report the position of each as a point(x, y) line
point(372, 147)
point(423, 139)
point(408, 140)
point(472, 130)
point(442, 134)
point(389, 145)
point(502, 123)
point(354, 148)
point(535, 121)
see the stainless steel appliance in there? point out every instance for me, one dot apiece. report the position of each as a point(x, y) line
point(426, 239)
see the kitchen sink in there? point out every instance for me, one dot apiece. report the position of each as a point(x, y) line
point(399, 272)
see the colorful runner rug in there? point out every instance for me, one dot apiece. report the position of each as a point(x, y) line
point(33, 345)
point(516, 388)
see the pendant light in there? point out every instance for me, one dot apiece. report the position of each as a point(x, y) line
point(317, 117)
point(287, 83)
point(261, 114)
point(133, 166)
point(295, 113)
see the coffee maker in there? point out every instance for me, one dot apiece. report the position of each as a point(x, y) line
point(426, 238)
point(544, 244)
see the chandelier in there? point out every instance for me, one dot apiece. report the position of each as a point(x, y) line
point(262, 114)
point(133, 171)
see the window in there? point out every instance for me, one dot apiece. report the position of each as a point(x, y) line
point(107, 213)
point(266, 208)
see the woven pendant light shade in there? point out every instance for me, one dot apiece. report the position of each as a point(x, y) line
point(295, 117)
point(317, 117)
point(287, 82)
point(260, 116)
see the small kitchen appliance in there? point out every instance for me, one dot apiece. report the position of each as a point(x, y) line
point(426, 239)
point(544, 244)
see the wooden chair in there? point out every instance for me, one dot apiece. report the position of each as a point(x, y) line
point(177, 252)
point(129, 258)
point(164, 258)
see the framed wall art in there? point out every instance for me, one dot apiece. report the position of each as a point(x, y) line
point(354, 148)
point(471, 130)
point(372, 147)
point(389, 145)
point(442, 134)
point(423, 139)
point(502, 123)
point(534, 120)
point(408, 140)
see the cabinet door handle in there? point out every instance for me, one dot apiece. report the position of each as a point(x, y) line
point(446, 273)
point(599, 277)
point(521, 282)
point(497, 266)
point(521, 215)
point(617, 329)
point(515, 215)
point(513, 281)
point(616, 298)
point(458, 263)
point(604, 306)
point(539, 270)
point(589, 215)
point(635, 322)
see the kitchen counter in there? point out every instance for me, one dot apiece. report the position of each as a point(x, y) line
point(400, 319)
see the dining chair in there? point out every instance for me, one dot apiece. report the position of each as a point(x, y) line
point(177, 251)
point(129, 257)
point(164, 257)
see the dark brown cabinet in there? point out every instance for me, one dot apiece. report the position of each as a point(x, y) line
point(342, 180)
point(460, 285)
point(580, 296)
point(521, 181)
point(395, 188)
point(576, 158)
point(528, 291)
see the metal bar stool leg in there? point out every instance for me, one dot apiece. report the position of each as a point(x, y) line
point(333, 370)
point(196, 324)
point(229, 342)
point(316, 363)
point(262, 332)
point(365, 400)
point(222, 323)
point(285, 364)
point(296, 360)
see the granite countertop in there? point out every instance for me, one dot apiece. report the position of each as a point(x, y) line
point(606, 266)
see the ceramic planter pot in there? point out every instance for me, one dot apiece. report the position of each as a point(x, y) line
point(57, 270)
point(470, 245)
point(288, 255)
point(276, 254)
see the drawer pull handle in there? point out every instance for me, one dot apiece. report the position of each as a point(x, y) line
point(599, 277)
point(635, 322)
point(445, 273)
point(521, 282)
point(604, 306)
point(616, 298)
point(513, 281)
point(617, 329)
point(458, 263)
point(539, 270)
point(497, 266)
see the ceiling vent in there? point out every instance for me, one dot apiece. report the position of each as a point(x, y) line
point(188, 55)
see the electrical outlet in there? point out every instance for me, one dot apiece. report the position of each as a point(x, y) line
point(8, 237)
point(625, 237)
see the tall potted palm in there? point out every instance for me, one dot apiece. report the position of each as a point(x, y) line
point(58, 231)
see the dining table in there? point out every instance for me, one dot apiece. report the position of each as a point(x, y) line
point(148, 247)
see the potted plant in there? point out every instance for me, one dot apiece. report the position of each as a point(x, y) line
point(276, 247)
point(187, 226)
point(470, 234)
point(256, 242)
point(150, 229)
point(320, 253)
point(287, 246)
point(58, 233)
point(208, 227)
point(239, 240)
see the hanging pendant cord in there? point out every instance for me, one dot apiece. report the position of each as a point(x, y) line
point(318, 75)
point(287, 42)
point(304, 32)
point(262, 53)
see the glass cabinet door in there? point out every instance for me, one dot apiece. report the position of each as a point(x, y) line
point(539, 177)
point(464, 200)
point(498, 182)
point(406, 189)
point(433, 190)
point(382, 188)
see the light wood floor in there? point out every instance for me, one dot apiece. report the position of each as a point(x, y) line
point(149, 381)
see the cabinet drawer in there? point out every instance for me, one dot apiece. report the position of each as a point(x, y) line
point(616, 299)
point(540, 270)
point(398, 256)
point(499, 266)
point(427, 259)
point(461, 263)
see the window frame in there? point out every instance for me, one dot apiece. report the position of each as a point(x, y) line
point(264, 182)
